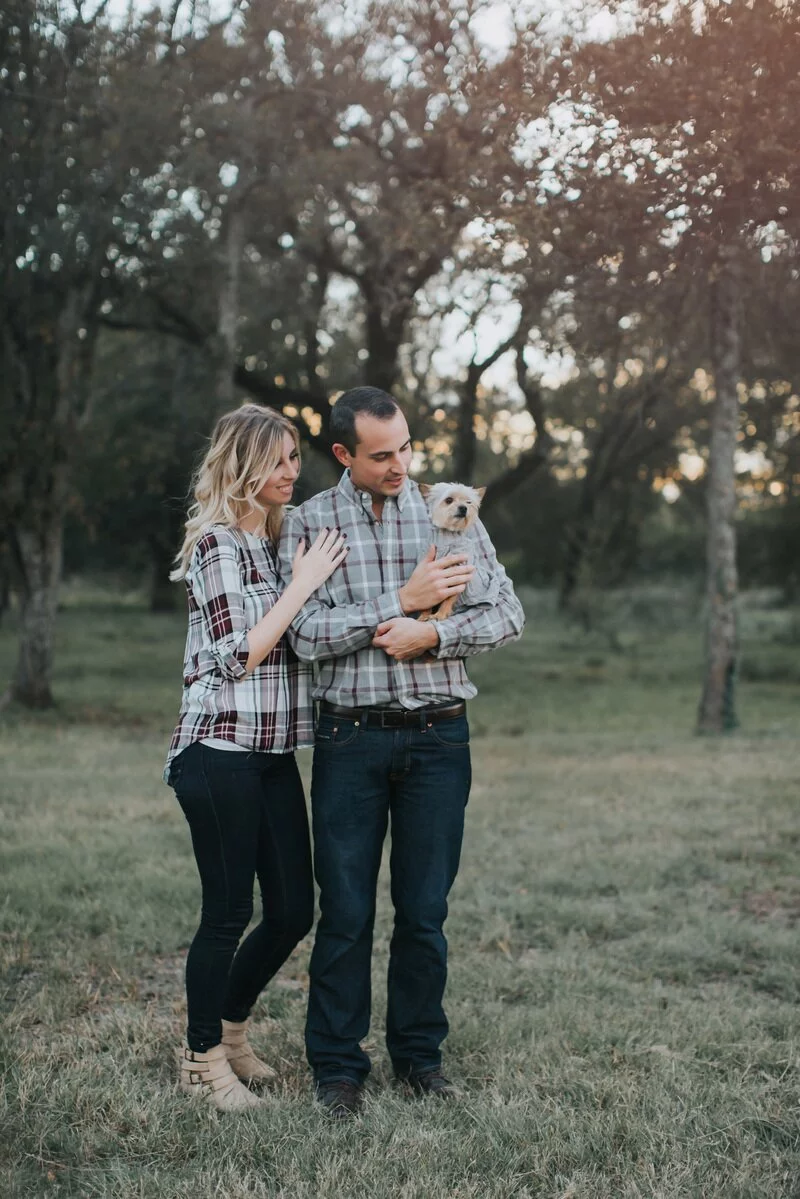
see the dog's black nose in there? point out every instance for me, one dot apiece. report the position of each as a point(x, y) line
point(462, 511)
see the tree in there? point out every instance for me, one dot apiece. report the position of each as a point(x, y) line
point(699, 110)
point(357, 155)
point(82, 111)
point(154, 402)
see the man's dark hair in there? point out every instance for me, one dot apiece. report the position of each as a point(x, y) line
point(367, 401)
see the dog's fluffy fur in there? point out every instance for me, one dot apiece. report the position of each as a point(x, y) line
point(453, 509)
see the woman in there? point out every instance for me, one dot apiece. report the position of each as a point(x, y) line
point(246, 707)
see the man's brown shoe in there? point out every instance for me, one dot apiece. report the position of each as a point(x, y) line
point(433, 1083)
point(341, 1099)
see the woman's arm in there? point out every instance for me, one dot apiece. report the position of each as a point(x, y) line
point(325, 630)
point(217, 589)
point(310, 569)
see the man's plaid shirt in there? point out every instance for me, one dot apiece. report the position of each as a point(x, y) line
point(232, 581)
point(335, 628)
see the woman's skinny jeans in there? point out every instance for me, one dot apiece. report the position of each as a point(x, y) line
point(247, 816)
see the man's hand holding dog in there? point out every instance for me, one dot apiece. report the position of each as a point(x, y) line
point(434, 580)
point(431, 582)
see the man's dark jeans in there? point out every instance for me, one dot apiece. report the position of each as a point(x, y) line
point(420, 777)
point(247, 816)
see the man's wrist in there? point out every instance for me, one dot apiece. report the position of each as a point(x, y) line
point(405, 606)
point(433, 633)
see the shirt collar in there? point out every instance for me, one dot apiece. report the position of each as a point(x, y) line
point(363, 499)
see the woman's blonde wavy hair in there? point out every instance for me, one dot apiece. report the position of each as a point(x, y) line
point(246, 447)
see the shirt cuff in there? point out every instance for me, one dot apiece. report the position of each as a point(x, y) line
point(388, 606)
point(232, 659)
point(448, 639)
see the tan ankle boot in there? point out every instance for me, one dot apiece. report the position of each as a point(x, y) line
point(243, 1061)
point(209, 1074)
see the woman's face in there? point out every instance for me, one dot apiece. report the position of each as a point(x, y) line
point(279, 486)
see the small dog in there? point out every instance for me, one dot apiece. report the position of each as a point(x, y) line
point(453, 509)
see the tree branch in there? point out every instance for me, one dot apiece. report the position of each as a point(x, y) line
point(265, 390)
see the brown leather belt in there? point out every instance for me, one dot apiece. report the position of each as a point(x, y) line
point(395, 718)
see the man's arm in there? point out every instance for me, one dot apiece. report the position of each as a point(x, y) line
point(474, 630)
point(324, 630)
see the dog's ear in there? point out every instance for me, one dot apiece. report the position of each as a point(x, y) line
point(424, 489)
point(481, 492)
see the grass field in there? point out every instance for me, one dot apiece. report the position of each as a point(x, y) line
point(625, 967)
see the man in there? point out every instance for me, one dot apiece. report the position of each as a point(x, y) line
point(392, 740)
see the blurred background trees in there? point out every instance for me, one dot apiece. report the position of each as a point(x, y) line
point(569, 247)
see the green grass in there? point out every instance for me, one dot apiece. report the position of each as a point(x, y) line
point(624, 976)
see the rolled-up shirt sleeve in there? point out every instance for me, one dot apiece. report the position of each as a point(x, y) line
point(323, 629)
point(216, 587)
point(474, 630)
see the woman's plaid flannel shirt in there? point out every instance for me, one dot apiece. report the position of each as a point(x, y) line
point(232, 581)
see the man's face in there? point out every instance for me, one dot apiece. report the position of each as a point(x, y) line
point(383, 455)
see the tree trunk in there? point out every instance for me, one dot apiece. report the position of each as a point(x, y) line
point(38, 555)
point(464, 443)
point(717, 711)
point(49, 369)
point(383, 349)
point(165, 539)
point(228, 306)
point(577, 541)
point(532, 459)
point(5, 580)
point(579, 529)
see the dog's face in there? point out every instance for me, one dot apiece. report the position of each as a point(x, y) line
point(453, 506)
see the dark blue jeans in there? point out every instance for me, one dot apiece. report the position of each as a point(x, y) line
point(363, 777)
point(247, 816)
